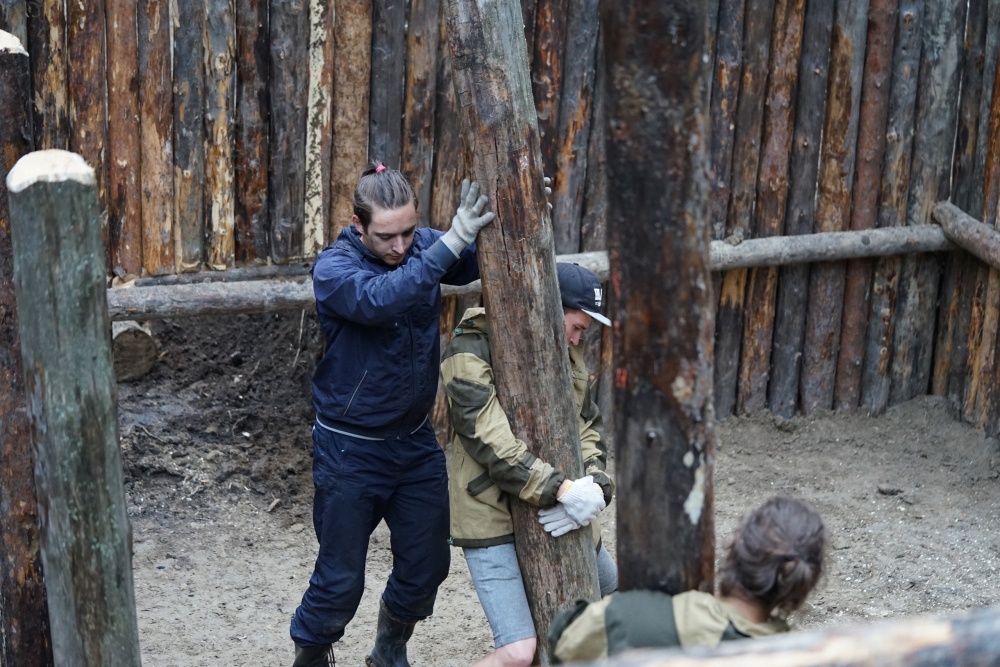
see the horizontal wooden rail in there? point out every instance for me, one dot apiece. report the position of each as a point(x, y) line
point(964, 639)
point(980, 239)
point(254, 296)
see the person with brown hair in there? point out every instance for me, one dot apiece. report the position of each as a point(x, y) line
point(771, 566)
point(375, 455)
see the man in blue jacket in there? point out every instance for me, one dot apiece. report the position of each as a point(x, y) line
point(375, 455)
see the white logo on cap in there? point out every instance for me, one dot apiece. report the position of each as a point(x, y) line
point(597, 296)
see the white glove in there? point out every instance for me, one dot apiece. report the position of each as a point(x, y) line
point(584, 500)
point(469, 218)
point(555, 520)
point(548, 191)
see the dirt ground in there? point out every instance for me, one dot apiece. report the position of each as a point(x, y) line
point(216, 445)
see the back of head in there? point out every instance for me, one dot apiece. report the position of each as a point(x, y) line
point(776, 556)
point(380, 187)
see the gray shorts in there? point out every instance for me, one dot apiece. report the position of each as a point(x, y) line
point(497, 578)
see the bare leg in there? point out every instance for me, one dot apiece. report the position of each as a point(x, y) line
point(516, 654)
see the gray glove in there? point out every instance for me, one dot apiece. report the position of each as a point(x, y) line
point(469, 218)
point(556, 521)
point(584, 500)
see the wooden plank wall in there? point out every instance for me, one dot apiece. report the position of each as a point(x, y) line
point(848, 114)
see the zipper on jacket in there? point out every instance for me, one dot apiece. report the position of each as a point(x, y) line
point(356, 389)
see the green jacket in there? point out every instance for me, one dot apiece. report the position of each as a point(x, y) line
point(488, 464)
point(592, 631)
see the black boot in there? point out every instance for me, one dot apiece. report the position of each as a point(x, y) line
point(390, 640)
point(314, 656)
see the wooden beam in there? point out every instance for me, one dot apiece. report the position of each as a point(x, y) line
point(518, 264)
point(255, 290)
point(981, 240)
point(664, 437)
point(24, 615)
point(961, 639)
point(84, 529)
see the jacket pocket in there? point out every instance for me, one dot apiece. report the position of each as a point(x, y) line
point(479, 484)
point(354, 393)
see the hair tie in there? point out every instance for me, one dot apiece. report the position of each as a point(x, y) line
point(379, 169)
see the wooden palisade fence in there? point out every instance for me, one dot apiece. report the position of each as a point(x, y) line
point(824, 117)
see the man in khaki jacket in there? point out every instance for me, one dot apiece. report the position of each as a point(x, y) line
point(489, 465)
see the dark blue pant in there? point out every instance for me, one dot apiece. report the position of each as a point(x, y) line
point(359, 483)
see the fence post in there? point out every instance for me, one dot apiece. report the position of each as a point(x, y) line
point(24, 616)
point(64, 326)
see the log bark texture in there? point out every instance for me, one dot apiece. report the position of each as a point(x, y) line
point(743, 188)
point(872, 122)
point(547, 67)
point(517, 262)
point(722, 114)
point(84, 528)
point(793, 282)
point(388, 71)
point(895, 181)
point(966, 232)
point(833, 203)
point(423, 49)
point(289, 21)
point(220, 80)
point(319, 139)
point(962, 639)
point(88, 106)
point(24, 616)
point(252, 228)
point(124, 154)
point(772, 194)
point(189, 137)
point(352, 57)
point(156, 131)
point(658, 117)
point(14, 19)
point(933, 146)
point(47, 31)
point(959, 278)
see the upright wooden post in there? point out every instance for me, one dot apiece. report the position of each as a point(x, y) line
point(658, 234)
point(520, 292)
point(24, 615)
point(63, 321)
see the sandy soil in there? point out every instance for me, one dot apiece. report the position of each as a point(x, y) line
point(216, 448)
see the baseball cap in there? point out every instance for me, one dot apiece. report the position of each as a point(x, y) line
point(581, 290)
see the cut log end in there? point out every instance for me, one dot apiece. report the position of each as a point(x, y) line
point(133, 349)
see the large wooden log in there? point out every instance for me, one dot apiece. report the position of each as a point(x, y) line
point(810, 105)
point(189, 137)
point(263, 289)
point(574, 127)
point(84, 528)
point(547, 68)
point(658, 117)
point(833, 203)
point(124, 153)
point(965, 231)
point(24, 616)
point(388, 70)
point(289, 21)
point(971, 638)
point(156, 130)
point(351, 93)
point(422, 48)
point(985, 319)
point(319, 139)
point(88, 102)
point(47, 31)
point(933, 146)
point(251, 225)
point(872, 122)
point(220, 75)
point(517, 262)
point(722, 114)
point(959, 278)
point(769, 211)
point(892, 201)
point(743, 188)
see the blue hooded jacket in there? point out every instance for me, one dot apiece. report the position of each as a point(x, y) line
point(379, 373)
